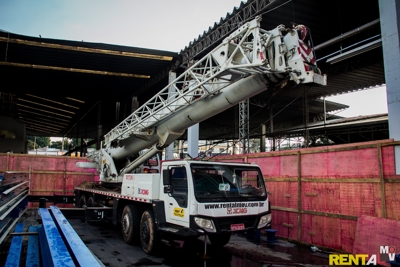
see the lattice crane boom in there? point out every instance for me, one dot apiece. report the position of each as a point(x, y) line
point(246, 62)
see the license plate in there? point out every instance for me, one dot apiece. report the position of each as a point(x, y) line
point(237, 227)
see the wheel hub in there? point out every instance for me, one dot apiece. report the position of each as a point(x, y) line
point(145, 232)
point(125, 224)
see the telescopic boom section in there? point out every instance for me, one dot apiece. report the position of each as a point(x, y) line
point(243, 65)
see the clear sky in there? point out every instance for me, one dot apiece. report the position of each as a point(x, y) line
point(157, 24)
point(365, 102)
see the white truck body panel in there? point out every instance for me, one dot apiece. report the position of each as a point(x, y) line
point(232, 208)
point(177, 215)
point(141, 185)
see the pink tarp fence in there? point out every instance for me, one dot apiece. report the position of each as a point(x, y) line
point(318, 194)
point(48, 175)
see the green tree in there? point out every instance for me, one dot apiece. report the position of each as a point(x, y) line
point(31, 145)
point(41, 141)
point(58, 144)
point(93, 145)
point(76, 142)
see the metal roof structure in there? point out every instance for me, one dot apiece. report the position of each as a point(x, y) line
point(347, 47)
point(343, 130)
point(53, 84)
point(79, 89)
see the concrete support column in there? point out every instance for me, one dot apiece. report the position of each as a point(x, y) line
point(82, 149)
point(77, 140)
point(135, 104)
point(99, 127)
point(390, 24)
point(262, 139)
point(244, 110)
point(271, 128)
point(180, 149)
point(169, 151)
point(306, 119)
point(117, 111)
point(193, 141)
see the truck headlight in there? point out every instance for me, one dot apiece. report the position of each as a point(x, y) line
point(205, 224)
point(264, 220)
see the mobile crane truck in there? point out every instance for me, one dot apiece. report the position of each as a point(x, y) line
point(187, 199)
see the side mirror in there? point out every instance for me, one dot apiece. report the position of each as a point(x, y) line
point(167, 177)
point(167, 181)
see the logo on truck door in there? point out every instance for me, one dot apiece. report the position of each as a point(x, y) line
point(143, 191)
point(179, 212)
point(129, 177)
point(236, 210)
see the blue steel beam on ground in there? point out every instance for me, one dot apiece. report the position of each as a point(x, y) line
point(14, 254)
point(7, 224)
point(14, 187)
point(32, 255)
point(80, 251)
point(58, 250)
point(5, 210)
point(44, 248)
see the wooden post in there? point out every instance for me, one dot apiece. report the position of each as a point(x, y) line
point(65, 175)
point(30, 179)
point(298, 196)
point(8, 162)
point(382, 181)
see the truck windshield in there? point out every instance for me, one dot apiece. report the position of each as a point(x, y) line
point(213, 181)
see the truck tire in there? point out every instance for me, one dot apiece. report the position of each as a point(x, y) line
point(220, 240)
point(82, 201)
point(90, 202)
point(130, 224)
point(149, 236)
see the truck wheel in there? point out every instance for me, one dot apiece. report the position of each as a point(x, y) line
point(149, 236)
point(82, 201)
point(220, 240)
point(130, 224)
point(90, 202)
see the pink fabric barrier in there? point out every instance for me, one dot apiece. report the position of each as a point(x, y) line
point(318, 194)
point(49, 175)
point(383, 236)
